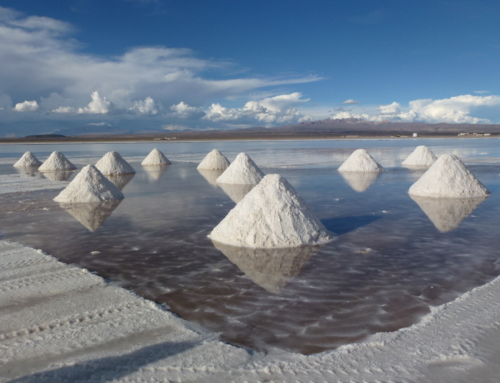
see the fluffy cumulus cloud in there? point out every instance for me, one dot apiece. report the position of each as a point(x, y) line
point(145, 107)
point(27, 106)
point(183, 110)
point(459, 109)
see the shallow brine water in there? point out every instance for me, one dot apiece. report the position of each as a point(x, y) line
point(392, 259)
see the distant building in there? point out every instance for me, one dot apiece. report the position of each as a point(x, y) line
point(415, 135)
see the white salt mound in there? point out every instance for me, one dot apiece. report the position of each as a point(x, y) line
point(242, 171)
point(56, 161)
point(421, 156)
point(360, 161)
point(272, 215)
point(155, 158)
point(448, 177)
point(112, 163)
point(28, 159)
point(214, 160)
point(89, 185)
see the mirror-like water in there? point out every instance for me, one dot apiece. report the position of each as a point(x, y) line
point(393, 258)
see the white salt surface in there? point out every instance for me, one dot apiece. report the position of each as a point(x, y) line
point(14, 183)
point(360, 161)
point(112, 163)
point(448, 177)
point(89, 186)
point(56, 161)
point(422, 156)
point(27, 160)
point(156, 157)
point(272, 215)
point(214, 160)
point(242, 171)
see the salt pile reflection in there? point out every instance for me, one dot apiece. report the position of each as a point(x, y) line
point(236, 192)
point(211, 176)
point(447, 213)
point(91, 214)
point(360, 181)
point(58, 175)
point(120, 181)
point(155, 172)
point(271, 269)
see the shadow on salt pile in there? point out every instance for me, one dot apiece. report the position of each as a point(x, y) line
point(447, 213)
point(236, 192)
point(120, 181)
point(211, 176)
point(343, 225)
point(155, 172)
point(271, 269)
point(58, 175)
point(91, 214)
point(360, 181)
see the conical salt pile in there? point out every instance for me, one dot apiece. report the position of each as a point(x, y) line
point(421, 156)
point(272, 215)
point(28, 159)
point(447, 213)
point(271, 269)
point(112, 163)
point(448, 178)
point(89, 185)
point(360, 181)
point(242, 171)
point(214, 160)
point(360, 161)
point(155, 158)
point(56, 161)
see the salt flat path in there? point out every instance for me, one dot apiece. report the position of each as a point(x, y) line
point(17, 183)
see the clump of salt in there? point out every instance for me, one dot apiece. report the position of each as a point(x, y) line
point(56, 161)
point(27, 160)
point(422, 156)
point(155, 157)
point(112, 163)
point(242, 171)
point(360, 161)
point(272, 215)
point(89, 185)
point(448, 177)
point(214, 160)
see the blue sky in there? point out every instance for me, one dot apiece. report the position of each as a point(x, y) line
point(172, 64)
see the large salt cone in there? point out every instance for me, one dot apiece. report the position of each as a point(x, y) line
point(154, 158)
point(89, 185)
point(56, 161)
point(272, 215)
point(154, 173)
point(360, 161)
point(121, 180)
point(271, 269)
point(447, 213)
point(58, 175)
point(214, 160)
point(242, 171)
point(91, 214)
point(112, 164)
point(422, 156)
point(360, 181)
point(28, 159)
point(236, 192)
point(448, 177)
point(211, 176)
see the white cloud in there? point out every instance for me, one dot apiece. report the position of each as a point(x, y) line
point(148, 106)
point(64, 109)
point(350, 101)
point(183, 110)
point(98, 105)
point(99, 124)
point(482, 91)
point(27, 106)
point(457, 109)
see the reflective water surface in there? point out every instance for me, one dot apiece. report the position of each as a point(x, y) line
point(393, 257)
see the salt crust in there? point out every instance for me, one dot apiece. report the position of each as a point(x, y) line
point(360, 161)
point(214, 160)
point(155, 157)
point(447, 213)
point(448, 177)
point(112, 163)
point(28, 159)
point(360, 181)
point(14, 183)
point(89, 185)
point(56, 161)
point(272, 215)
point(422, 156)
point(242, 171)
